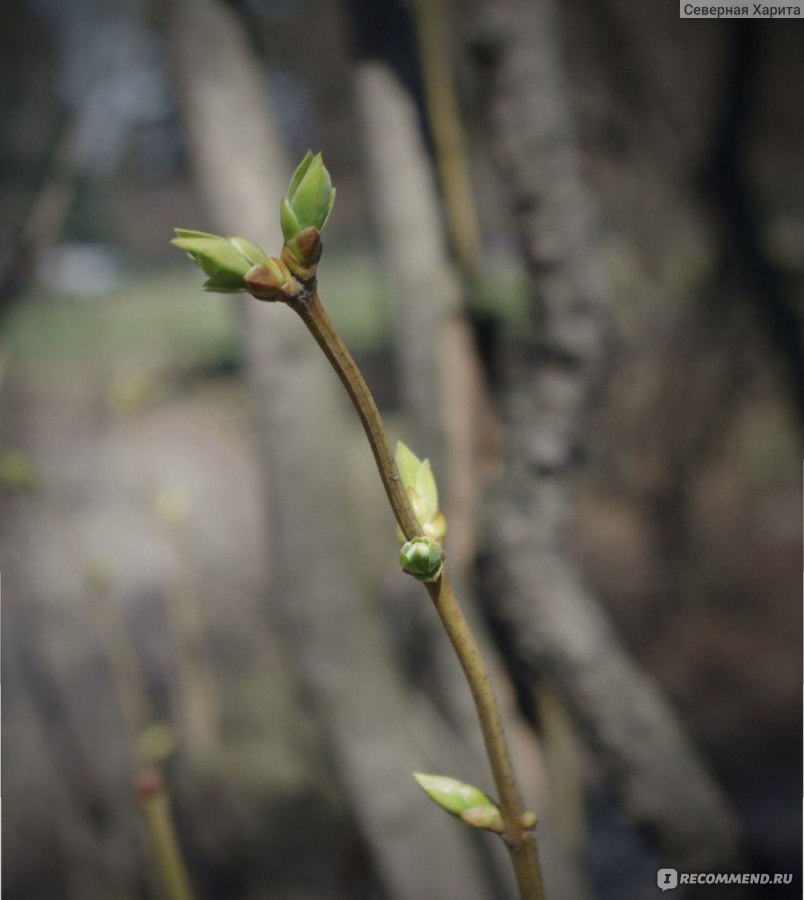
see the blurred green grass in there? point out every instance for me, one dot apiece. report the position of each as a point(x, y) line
point(154, 312)
point(160, 311)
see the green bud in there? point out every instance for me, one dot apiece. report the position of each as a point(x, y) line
point(422, 558)
point(462, 800)
point(225, 260)
point(310, 198)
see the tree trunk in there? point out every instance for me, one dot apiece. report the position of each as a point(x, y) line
point(555, 626)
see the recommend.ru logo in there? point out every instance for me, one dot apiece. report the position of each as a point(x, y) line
point(667, 879)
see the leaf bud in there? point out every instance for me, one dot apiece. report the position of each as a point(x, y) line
point(226, 260)
point(462, 800)
point(422, 558)
point(310, 198)
point(420, 485)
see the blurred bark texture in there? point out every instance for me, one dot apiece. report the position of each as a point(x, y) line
point(555, 371)
point(332, 629)
point(424, 292)
point(444, 398)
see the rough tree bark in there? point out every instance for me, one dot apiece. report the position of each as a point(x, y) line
point(445, 401)
point(556, 628)
point(332, 629)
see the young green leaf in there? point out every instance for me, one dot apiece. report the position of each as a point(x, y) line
point(417, 477)
point(462, 800)
point(408, 464)
point(225, 260)
point(301, 171)
point(288, 221)
point(426, 485)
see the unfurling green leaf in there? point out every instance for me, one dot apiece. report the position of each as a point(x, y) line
point(226, 261)
point(422, 558)
point(426, 485)
point(424, 511)
point(288, 221)
point(417, 477)
point(462, 800)
point(408, 464)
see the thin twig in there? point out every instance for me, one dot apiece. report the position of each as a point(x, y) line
point(155, 807)
point(518, 833)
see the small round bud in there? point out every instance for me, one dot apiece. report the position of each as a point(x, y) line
point(422, 558)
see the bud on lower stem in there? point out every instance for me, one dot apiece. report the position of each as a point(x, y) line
point(422, 558)
point(463, 800)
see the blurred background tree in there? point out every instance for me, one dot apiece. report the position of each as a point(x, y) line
point(568, 254)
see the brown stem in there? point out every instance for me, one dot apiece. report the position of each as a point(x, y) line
point(518, 837)
point(309, 307)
